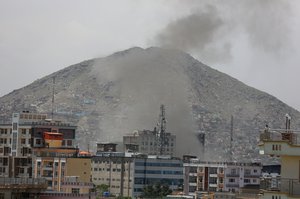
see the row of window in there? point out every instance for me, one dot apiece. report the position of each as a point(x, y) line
point(6, 131)
point(158, 180)
point(158, 164)
point(108, 162)
point(159, 172)
point(246, 180)
point(113, 179)
point(154, 144)
point(108, 169)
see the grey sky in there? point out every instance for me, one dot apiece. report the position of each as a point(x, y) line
point(254, 41)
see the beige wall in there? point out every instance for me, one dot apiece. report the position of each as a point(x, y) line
point(79, 167)
point(290, 167)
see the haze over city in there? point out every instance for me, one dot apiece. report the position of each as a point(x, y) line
point(254, 41)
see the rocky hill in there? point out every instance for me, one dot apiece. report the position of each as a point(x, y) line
point(112, 96)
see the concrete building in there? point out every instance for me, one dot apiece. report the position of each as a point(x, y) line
point(146, 142)
point(115, 170)
point(201, 176)
point(157, 169)
point(25, 132)
point(25, 188)
point(127, 174)
point(285, 144)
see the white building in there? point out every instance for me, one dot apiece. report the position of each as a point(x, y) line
point(219, 176)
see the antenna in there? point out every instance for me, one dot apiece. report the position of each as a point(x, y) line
point(53, 92)
point(287, 122)
point(231, 138)
point(201, 137)
point(161, 132)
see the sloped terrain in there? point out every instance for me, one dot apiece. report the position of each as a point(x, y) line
point(112, 96)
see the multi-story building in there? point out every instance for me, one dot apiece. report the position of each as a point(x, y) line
point(219, 176)
point(147, 142)
point(157, 169)
point(50, 163)
point(283, 143)
point(115, 170)
point(126, 174)
point(25, 132)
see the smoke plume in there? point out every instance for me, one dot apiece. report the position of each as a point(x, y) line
point(141, 80)
point(211, 29)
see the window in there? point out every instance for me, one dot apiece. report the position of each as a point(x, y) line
point(231, 180)
point(38, 141)
point(213, 170)
point(23, 131)
point(247, 171)
point(213, 180)
point(15, 126)
point(255, 171)
point(69, 142)
point(246, 180)
point(23, 141)
point(21, 170)
point(221, 180)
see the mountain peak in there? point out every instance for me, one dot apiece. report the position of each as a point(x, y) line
point(115, 95)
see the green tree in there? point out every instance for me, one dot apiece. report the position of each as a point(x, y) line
point(102, 188)
point(157, 190)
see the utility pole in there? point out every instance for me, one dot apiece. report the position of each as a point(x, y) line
point(231, 139)
point(53, 92)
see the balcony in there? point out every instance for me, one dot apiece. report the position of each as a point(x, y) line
point(279, 142)
point(22, 183)
point(235, 175)
point(252, 175)
point(77, 184)
point(290, 187)
point(232, 185)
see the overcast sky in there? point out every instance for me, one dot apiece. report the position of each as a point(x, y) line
point(255, 41)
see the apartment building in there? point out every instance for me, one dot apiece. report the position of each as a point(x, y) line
point(115, 170)
point(219, 176)
point(283, 143)
point(25, 132)
point(147, 142)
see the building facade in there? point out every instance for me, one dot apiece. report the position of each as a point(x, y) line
point(127, 174)
point(219, 176)
point(115, 170)
point(146, 142)
point(284, 144)
point(157, 169)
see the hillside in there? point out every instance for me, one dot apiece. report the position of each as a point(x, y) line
point(112, 96)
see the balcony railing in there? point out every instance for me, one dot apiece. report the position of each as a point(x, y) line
point(232, 175)
point(77, 184)
point(22, 182)
point(289, 186)
point(251, 175)
point(232, 185)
